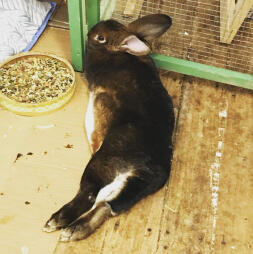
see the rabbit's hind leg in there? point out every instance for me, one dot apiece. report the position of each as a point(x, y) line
point(87, 223)
point(80, 204)
point(113, 199)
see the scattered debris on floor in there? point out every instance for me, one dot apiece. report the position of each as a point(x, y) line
point(116, 225)
point(24, 250)
point(45, 126)
point(69, 146)
point(18, 156)
point(67, 135)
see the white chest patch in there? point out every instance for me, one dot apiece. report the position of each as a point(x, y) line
point(89, 118)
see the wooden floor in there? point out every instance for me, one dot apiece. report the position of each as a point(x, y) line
point(205, 208)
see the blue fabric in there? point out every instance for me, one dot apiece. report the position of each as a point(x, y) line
point(41, 29)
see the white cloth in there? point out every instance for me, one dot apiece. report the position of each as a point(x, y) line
point(19, 22)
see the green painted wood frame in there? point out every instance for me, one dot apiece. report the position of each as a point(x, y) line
point(77, 22)
point(83, 14)
point(91, 11)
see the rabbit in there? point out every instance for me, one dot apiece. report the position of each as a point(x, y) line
point(129, 124)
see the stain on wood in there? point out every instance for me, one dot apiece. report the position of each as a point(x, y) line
point(6, 219)
point(69, 146)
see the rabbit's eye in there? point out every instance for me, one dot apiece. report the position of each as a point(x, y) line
point(100, 38)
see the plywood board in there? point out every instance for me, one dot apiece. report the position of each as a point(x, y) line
point(55, 41)
point(208, 203)
point(46, 173)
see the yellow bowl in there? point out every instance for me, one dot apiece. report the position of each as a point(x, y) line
point(33, 109)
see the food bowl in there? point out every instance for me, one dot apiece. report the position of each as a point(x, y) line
point(34, 83)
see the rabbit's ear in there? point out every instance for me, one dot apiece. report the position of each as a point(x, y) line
point(133, 45)
point(151, 26)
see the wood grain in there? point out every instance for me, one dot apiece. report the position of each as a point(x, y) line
point(178, 219)
point(232, 16)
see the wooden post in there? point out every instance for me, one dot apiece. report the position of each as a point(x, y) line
point(232, 16)
point(133, 8)
point(106, 8)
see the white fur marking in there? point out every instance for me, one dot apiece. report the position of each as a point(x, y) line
point(89, 119)
point(112, 190)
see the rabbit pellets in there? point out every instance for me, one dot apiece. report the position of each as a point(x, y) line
point(35, 80)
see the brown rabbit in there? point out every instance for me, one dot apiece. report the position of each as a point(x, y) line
point(129, 123)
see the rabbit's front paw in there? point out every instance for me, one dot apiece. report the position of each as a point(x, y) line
point(50, 226)
point(59, 220)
